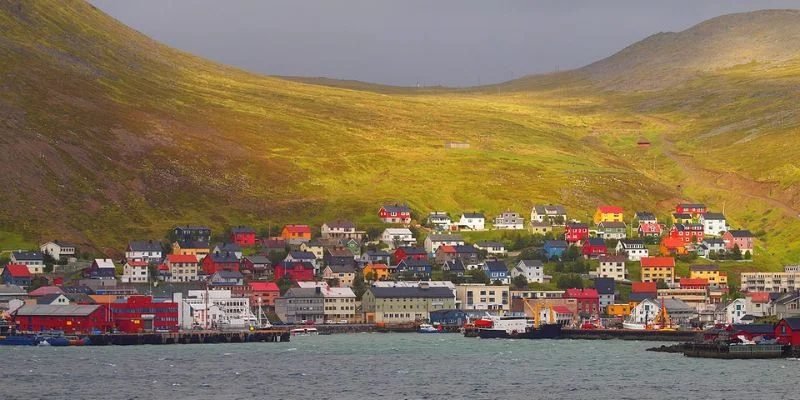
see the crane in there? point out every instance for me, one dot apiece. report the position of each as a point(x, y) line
point(537, 311)
point(662, 318)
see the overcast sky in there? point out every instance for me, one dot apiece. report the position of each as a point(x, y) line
point(405, 42)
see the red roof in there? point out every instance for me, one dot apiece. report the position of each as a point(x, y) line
point(137, 263)
point(163, 267)
point(672, 242)
point(694, 282)
point(650, 227)
point(759, 297)
point(181, 258)
point(644, 287)
point(298, 228)
point(447, 248)
point(264, 287)
point(18, 271)
point(562, 310)
point(45, 290)
point(378, 266)
point(581, 294)
point(658, 262)
point(610, 209)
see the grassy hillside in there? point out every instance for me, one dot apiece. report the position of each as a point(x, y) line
point(109, 136)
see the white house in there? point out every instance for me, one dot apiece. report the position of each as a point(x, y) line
point(144, 250)
point(58, 249)
point(228, 248)
point(478, 296)
point(491, 247)
point(509, 220)
point(632, 249)
point(472, 221)
point(555, 215)
point(612, 267)
point(440, 220)
point(398, 237)
point(612, 230)
point(708, 245)
point(714, 224)
point(734, 311)
point(532, 270)
point(647, 309)
point(34, 260)
point(433, 241)
point(644, 312)
point(646, 217)
point(135, 272)
point(756, 304)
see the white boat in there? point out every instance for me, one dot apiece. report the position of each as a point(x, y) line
point(304, 332)
point(634, 326)
point(428, 328)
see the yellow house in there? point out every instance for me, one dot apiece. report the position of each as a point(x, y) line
point(710, 272)
point(608, 214)
point(197, 249)
point(381, 271)
point(682, 218)
point(618, 310)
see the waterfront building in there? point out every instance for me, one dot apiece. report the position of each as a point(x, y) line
point(588, 301)
point(213, 309)
point(301, 305)
point(478, 296)
point(136, 314)
point(71, 319)
point(263, 294)
point(405, 304)
point(340, 305)
point(734, 311)
point(605, 291)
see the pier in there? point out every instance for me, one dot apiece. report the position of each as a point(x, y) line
point(189, 337)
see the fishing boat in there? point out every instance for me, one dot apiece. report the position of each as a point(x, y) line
point(19, 340)
point(523, 327)
point(53, 338)
point(428, 328)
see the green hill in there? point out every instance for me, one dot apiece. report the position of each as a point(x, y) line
point(109, 136)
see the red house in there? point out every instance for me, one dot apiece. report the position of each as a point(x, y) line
point(694, 283)
point(220, 262)
point(295, 270)
point(72, 319)
point(594, 248)
point(688, 233)
point(263, 293)
point(788, 331)
point(395, 214)
point(410, 253)
point(144, 314)
point(575, 232)
point(649, 229)
point(243, 236)
point(588, 300)
point(695, 209)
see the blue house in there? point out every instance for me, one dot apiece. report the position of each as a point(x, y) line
point(496, 271)
point(554, 248)
point(420, 268)
point(16, 274)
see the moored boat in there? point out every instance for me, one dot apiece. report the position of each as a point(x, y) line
point(19, 340)
point(428, 328)
point(304, 332)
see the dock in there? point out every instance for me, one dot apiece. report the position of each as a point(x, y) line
point(189, 337)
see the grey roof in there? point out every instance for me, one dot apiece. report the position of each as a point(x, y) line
point(645, 215)
point(11, 289)
point(193, 244)
point(740, 233)
point(342, 268)
point(639, 296)
point(495, 265)
point(682, 215)
point(305, 264)
point(577, 225)
point(411, 292)
point(464, 249)
point(596, 242)
point(531, 263)
point(446, 238)
point(414, 263)
point(714, 241)
point(377, 253)
point(192, 227)
point(473, 215)
point(604, 285)
point(72, 297)
point(397, 208)
point(77, 289)
point(704, 268)
point(555, 209)
point(63, 243)
point(675, 305)
point(608, 258)
point(613, 224)
point(145, 245)
point(714, 216)
point(753, 328)
point(243, 229)
point(302, 255)
point(27, 255)
point(692, 205)
point(258, 259)
point(302, 292)
point(313, 243)
point(793, 322)
point(225, 274)
point(224, 257)
point(62, 310)
point(232, 247)
point(341, 224)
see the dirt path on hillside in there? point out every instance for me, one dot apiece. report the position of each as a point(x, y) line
point(729, 182)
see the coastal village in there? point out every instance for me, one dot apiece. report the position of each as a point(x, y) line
point(617, 270)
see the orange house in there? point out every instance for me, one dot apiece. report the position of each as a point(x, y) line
point(381, 271)
point(295, 232)
point(672, 246)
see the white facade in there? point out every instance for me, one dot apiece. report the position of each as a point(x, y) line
point(633, 251)
point(135, 272)
point(532, 270)
point(542, 213)
point(494, 248)
point(735, 311)
point(35, 265)
point(612, 267)
point(58, 249)
point(398, 237)
point(478, 296)
point(434, 241)
point(475, 222)
point(509, 220)
point(644, 312)
point(440, 220)
point(774, 282)
point(713, 224)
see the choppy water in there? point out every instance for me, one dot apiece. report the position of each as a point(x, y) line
point(394, 366)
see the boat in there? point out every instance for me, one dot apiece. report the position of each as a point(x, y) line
point(53, 338)
point(428, 328)
point(19, 340)
point(634, 326)
point(304, 332)
point(522, 327)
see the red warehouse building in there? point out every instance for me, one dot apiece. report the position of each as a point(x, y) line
point(144, 314)
point(787, 331)
point(70, 318)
